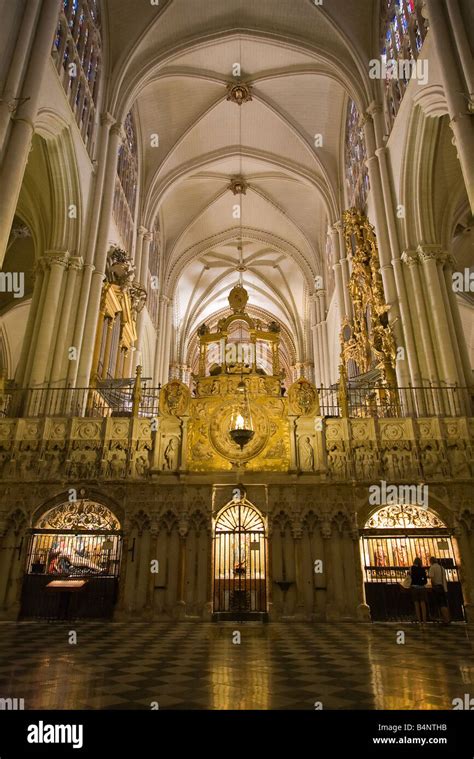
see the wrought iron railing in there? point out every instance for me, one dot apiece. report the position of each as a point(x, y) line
point(108, 399)
point(123, 398)
point(382, 402)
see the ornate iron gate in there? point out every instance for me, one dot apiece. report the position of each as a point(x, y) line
point(391, 540)
point(240, 561)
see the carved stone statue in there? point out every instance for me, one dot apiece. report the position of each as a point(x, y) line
point(141, 466)
point(337, 463)
point(171, 455)
point(458, 460)
point(430, 462)
point(306, 455)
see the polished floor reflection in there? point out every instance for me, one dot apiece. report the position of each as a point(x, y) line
point(203, 666)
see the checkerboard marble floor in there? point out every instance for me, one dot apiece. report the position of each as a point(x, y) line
point(198, 666)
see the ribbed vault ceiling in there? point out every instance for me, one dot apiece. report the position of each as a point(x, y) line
point(178, 67)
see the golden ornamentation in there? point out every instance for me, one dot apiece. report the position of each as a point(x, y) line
point(367, 339)
point(222, 442)
point(303, 397)
point(174, 398)
point(238, 298)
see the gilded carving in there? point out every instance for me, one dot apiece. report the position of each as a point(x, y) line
point(174, 398)
point(368, 338)
point(303, 398)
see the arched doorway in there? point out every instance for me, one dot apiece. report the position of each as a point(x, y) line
point(239, 562)
point(73, 563)
point(393, 536)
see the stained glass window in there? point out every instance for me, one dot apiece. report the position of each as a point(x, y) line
point(357, 178)
point(402, 32)
point(77, 53)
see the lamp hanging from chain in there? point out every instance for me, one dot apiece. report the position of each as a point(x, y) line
point(241, 426)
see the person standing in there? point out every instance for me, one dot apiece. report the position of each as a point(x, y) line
point(419, 580)
point(439, 585)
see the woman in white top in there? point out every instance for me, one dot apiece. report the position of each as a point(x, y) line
point(439, 585)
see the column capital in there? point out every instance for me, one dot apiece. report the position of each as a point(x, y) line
point(117, 130)
point(55, 258)
point(374, 108)
point(410, 257)
point(450, 262)
point(431, 253)
point(106, 119)
point(76, 262)
point(142, 231)
point(148, 236)
point(338, 225)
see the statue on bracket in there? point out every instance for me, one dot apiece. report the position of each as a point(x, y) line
point(306, 454)
point(170, 456)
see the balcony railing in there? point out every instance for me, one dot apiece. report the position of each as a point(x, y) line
point(112, 399)
point(382, 402)
point(121, 398)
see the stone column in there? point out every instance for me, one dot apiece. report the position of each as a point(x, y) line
point(411, 261)
point(93, 305)
point(362, 609)
point(144, 258)
point(462, 43)
point(143, 247)
point(152, 556)
point(106, 121)
point(183, 530)
point(324, 335)
point(413, 372)
point(383, 244)
point(167, 342)
point(18, 146)
point(411, 354)
point(431, 257)
point(58, 372)
point(337, 268)
point(24, 42)
point(57, 262)
point(454, 89)
point(465, 370)
point(160, 339)
point(30, 325)
point(317, 343)
point(138, 251)
point(297, 532)
point(348, 310)
point(108, 346)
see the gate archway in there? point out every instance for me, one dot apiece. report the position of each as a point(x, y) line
point(393, 536)
point(73, 563)
point(239, 562)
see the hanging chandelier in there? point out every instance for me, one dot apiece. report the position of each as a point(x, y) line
point(241, 427)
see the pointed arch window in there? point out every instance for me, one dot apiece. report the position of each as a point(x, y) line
point(77, 54)
point(402, 33)
point(357, 177)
